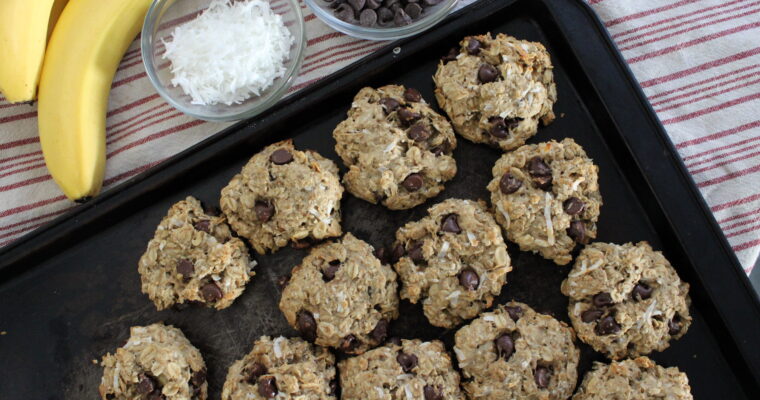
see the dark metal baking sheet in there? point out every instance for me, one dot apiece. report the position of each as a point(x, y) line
point(69, 292)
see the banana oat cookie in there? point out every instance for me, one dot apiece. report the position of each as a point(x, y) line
point(637, 379)
point(496, 89)
point(194, 258)
point(156, 363)
point(517, 353)
point(284, 195)
point(546, 197)
point(626, 300)
point(455, 260)
point(341, 296)
point(407, 369)
point(284, 369)
point(397, 149)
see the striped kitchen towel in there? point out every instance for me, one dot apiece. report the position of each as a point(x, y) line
point(698, 61)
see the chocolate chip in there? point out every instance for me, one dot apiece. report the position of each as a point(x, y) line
point(395, 340)
point(345, 13)
point(641, 291)
point(487, 73)
point(542, 375)
point(336, 3)
point(398, 252)
point(413, 182)
point(110, 396)
point(257, 369)
point(198, 378)
point(469, 279)
point(349, 344)
point(498, 128)
point(380, 333)
point(441, 149)
point(413, 10)
point(407, 361)
point(211, 292)
point(607, 326)
point(505, 346)
point(430, 3)
point(450, 223)
point(418, 132)
point(603, 299)
point(368, 17)
point(591, 315)
point(674, 325)
point(573, 206)
point(357, 4)
point(329, 273)
point(515, 312)
point(389, 3)
point(147, 384)
point(451, 55)
point(307, 325)
point(401, 18)
point(384, 16)
point(473, 46)
point(373, 4)
point(281, 156)
point(509, 184)
point(264, 210)
point(381, 253)
point(577, 231)
point(407, 116)
point(540, 172)
point(156, 395)
point(185, 268)
point(333, 387)
point(389, 104)
point(283, 281)
point(432, 392)
point(268, 387)
point(202, 225)
point(413, 95)
point(415, 252)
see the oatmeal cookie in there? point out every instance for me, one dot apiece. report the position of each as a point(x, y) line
point(626, 300)
point(157, 362)
point(637, 379)
point(454, 259)
point(516, 353)
point(284, 369)
point(194, 258)
point(496, 89)
point(283, 195)
point(546, 197)
point(341, 296)
point(397, 149)
point(408, 369)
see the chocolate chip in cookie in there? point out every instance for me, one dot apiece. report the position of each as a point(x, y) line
point(281, 157)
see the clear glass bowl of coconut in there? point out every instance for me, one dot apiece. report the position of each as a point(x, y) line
point(221, 60)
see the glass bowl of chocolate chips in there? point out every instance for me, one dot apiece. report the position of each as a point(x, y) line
point(381, 19)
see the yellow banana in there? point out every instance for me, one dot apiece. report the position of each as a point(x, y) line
point(87, 44)
point(25, 27)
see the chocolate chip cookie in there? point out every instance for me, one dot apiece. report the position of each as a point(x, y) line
point(282, 368)
point(284, 195)
point(454, 259)
point(637, 379)
point(546, 197)
point(496, 89)
point(517, 353)
point(626, 300)
point(407, 369)
point(194, 258)
point(341, 296)
point(156, 363)
point(397, 149)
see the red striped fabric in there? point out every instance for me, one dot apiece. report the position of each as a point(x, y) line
point(697, 60)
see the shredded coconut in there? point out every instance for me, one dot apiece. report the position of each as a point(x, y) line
point(504, 213)
point(489, 318)
point(460, 355)
point(408, 391)
point(453, 295)
point(444, 250)
point(473, 240)
point(232, 51)
point(548, 218)
point(647, 314)
point(277, 348)
point(576, 183)
point(389, 147)
point(116, 371)
point(583, 270)
point(380, 392)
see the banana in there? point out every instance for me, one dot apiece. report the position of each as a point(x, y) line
point(87, 44)
point(25, 27)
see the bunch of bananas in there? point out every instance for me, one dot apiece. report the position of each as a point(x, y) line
point(71, 50)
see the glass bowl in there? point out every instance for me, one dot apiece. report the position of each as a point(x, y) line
point(160, 21)
point(432, 16)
